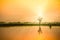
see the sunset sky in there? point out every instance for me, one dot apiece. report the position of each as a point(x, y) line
point(30, 10)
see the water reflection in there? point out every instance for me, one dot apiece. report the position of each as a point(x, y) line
point(29, 33)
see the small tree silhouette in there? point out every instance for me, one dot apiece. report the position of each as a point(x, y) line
point(39, 30)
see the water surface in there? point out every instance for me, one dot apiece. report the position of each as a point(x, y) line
point(29, 33)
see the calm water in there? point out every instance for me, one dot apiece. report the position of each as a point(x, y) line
point(29, 33)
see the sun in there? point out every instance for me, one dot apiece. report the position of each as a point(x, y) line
point(40, 9)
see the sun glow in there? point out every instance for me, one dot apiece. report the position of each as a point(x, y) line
point(40, 9)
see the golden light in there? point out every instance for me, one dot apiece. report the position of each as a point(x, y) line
point(28, 10)
point(40, 9)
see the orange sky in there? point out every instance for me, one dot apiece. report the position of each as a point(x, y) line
point(22, 10)
point(29, 10)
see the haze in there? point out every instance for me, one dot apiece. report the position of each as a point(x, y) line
point(30, 10)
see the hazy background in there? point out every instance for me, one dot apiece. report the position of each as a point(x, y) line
point(22, 10)
point(29, 11)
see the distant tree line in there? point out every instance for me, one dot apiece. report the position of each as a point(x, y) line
point(28, 23)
